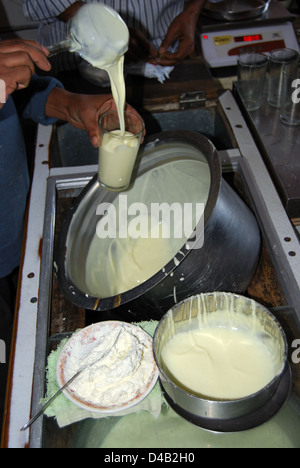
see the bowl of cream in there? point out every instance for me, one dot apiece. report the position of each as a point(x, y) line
point(221, 357)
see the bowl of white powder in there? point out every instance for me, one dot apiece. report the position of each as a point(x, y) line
point(119, 367)
point(222, 360)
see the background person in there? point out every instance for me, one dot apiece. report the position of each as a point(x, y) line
point(154, 26)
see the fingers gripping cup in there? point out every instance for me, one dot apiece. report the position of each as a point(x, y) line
point(118, 151)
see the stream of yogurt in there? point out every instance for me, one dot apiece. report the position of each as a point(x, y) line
point(116, 75)
point(103, 38)
point(116, 155)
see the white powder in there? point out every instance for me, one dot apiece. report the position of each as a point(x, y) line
point(123, 370)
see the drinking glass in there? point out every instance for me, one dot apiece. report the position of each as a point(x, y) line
point(117, 152)
point(279, 58)
point(252, 69)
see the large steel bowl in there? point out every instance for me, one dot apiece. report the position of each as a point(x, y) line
point(227, 260)
point(216, 414)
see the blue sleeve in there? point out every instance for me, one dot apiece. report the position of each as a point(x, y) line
point(35, 98)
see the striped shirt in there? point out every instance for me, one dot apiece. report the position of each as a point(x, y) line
point(152, 17)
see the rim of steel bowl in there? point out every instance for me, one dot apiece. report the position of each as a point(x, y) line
point(83, 299)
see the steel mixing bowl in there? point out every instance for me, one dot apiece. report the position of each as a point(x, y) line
point(210, 412)
point(231, 234)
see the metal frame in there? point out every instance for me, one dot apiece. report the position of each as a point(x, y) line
point(28, 372)
point(282, 239)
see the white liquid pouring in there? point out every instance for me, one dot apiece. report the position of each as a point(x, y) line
point(104, 37)
point(100, 36)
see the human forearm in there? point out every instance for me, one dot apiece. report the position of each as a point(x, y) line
point(70, 11)
point(18, 61)
point(194, 7)
point(81, 111)
point(182, 29)
point(57, 104)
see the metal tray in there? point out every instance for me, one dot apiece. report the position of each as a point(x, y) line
point(235, 10)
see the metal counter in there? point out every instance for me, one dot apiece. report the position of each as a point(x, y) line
point(39, 329)
point(280, 147)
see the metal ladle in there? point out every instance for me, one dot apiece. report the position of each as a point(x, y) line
point(97, 33)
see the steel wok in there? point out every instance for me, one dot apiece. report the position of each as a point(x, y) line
point(227, 261)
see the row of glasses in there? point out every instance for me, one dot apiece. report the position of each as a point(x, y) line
point(282, 69)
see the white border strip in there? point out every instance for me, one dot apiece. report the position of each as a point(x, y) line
point(23, 365)
point(2, 92)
